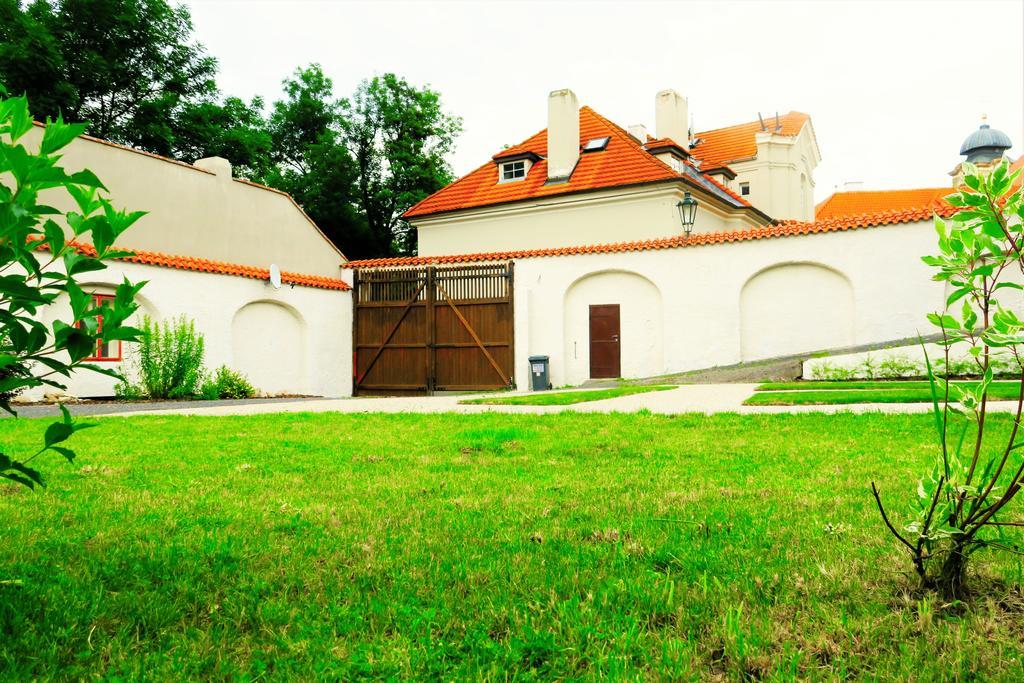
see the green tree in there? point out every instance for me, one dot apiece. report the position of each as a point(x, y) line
point(128, 67)
point(233, 130)
point(400, 137)
point(40, 266)
point(963, 501)
point(309, 159)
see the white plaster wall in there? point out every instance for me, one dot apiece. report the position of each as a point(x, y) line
point(795, 307)
point(640, 321)
point(641, 213)
point(701, 289)
point(246, 327)
point(782, 176)
point(276, 361)
point(193, 212)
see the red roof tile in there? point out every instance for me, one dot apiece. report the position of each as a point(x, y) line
point(155, 258)
point(734, 143)
point(875, 201)
point(623, 162)
point(784, 229)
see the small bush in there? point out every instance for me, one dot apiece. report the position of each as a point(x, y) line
point(897, 366)
point(831, 372)
point(169, 361)
point(226, 384)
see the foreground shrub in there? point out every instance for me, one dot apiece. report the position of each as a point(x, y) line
point(227, 384)
point(168, 361)
point(962, 502)
point(42, 257)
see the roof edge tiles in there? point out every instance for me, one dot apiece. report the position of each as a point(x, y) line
point(201, 265)
point(783, 229)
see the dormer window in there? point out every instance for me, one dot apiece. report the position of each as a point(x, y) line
point(513, 170)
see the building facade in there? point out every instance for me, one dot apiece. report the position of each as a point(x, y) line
point(602, 261)
point(206, 247)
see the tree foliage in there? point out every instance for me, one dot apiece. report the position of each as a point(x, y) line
point(132, 70)
point(40, 266)
point(399, 136)
point(963, 502)
point(128, 67)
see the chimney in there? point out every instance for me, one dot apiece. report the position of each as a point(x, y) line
point(671, 114)
point(563, 134)
point(639, 133)
point(216, 165)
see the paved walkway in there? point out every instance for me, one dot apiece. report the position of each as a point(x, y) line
point(692, 398)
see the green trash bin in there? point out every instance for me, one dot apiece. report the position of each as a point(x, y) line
point(540, 379)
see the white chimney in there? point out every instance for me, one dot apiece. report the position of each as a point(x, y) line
point(639, 132)
point(671, 115)
point(563, 134)
point(218, 166)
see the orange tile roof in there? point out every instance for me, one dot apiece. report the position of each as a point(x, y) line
point(783, 229)
point(623, 162)
point(874, 201)
point(156, 258)
point(734, 143)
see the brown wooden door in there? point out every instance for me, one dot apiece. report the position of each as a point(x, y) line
point(605, 358)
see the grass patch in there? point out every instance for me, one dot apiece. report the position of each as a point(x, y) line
point(484, 547)
point(1001, 391)
point(845, 385)
point(564, 398)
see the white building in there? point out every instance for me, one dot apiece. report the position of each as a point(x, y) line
point(608, 281)
point(206, 247)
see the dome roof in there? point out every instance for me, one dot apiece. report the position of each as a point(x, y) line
point(985, 138)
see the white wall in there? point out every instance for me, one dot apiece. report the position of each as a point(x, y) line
point(781, 177)
point(640, 321)
point(795, 307)
point(192, 212)
point(295, 339)
point(626, 215)
point(701, 288)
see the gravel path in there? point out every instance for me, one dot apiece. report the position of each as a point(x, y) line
point(121, 408)
point(694, 398)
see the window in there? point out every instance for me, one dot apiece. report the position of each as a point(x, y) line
point(111, 350)
point(744, 189)
point(596, 145)
point(513, 170)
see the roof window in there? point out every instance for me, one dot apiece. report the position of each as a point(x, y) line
point(596, 144)
point(512, 171)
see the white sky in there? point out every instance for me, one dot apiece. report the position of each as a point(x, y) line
point(893, 88)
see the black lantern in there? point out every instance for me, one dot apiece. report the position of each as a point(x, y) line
point(687, 212)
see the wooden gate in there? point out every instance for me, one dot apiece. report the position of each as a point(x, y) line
point(420, 330)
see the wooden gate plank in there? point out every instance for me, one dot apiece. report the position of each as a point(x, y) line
point(472, 333)
point(391, 334)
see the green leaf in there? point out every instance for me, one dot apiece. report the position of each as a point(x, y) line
point(58, 134)
point(57, 432)
point(88, 179)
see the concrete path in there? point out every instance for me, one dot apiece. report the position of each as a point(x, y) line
point(692, 398)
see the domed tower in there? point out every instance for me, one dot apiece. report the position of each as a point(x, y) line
point(984, 148)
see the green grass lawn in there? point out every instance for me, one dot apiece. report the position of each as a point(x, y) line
point(564, 398)
point(835, 393)
point(492, 546)
point(882, 385)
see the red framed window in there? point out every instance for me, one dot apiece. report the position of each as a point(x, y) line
point(110, 350)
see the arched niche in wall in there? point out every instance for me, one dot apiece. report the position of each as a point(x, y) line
point(795, 307)
point(641, 337)
point(268, 341)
